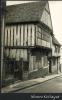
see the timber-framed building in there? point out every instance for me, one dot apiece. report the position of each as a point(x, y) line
point(30, 47)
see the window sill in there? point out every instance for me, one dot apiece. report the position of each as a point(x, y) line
point(33, 70)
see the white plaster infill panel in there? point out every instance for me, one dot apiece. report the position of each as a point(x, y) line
point(39, 42)
point(48, 44)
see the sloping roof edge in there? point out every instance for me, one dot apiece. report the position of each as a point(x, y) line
point(26, 11)
point(55, 41)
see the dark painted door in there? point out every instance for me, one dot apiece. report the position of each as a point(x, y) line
point(49, 66)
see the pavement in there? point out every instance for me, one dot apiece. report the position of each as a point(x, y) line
point(26, 84)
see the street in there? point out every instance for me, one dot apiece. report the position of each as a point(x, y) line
point(51, 86)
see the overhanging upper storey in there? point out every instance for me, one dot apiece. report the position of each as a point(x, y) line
point(28, 24)
point(28, 12)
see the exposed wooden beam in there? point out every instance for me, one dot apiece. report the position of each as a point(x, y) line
point(26, 47)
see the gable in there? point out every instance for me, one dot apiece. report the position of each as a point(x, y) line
point(29, 12)
point(46, 17)
point(47, 7)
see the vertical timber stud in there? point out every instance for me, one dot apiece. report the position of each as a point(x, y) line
point(14, 35)
point(11, 35)
point(29, 28)
point(18, 35)
point(25, 43)
point(33, 35)
point(5, 36)
point(21, 50)
point(36, 35)
point(21, 35)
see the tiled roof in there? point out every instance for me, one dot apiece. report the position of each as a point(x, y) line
point(55, 41)
point(25, 12)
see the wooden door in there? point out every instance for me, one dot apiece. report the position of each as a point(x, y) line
point(18, 70)
point(49, 66)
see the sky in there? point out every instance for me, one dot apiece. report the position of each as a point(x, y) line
point(56, 16)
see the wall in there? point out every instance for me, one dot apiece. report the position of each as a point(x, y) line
point(20, 35)
point(38, 68)
point(17, 54)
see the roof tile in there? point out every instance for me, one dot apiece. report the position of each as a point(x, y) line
point(25, 12)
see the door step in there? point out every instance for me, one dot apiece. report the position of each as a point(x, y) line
point(18, 81)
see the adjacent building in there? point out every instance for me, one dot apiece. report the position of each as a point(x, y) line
point(30, 47)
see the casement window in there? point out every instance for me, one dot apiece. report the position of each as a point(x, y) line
point(39, 32)
point(43, 34)
point(44, 37)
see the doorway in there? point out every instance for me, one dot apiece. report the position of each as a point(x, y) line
point(18, 70)
point(50, 66)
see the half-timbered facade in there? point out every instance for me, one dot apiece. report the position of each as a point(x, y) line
point(28, 40)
